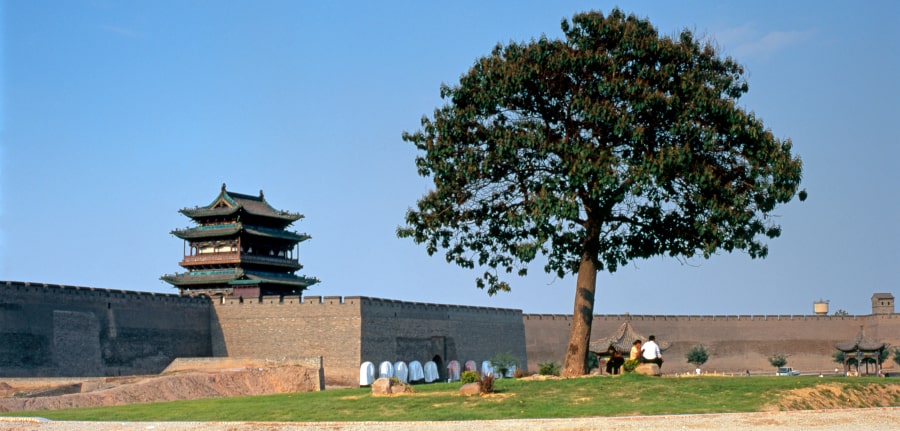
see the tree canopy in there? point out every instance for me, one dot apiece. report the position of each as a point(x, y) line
point(697, 355)
point(612, 144)
point(778, 360)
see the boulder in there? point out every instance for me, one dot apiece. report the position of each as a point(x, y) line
point(470, 389)
point(385, 387)
point(381, 387)
point(648, 370)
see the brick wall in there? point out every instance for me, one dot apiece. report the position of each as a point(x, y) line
point(348, 331)
point(407, 331)
point(735, 343)
point(291, 327)
point(55, 330)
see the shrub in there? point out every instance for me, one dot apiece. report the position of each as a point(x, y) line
point(520, 373)
point(503, 362)
point(549, 368)
point(593, 361)
point(697, 356)
point(778, 360)
point(487, 384)
point(468, 377)
point(630, 365)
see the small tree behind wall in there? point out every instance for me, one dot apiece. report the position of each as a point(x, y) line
point(778, 360)
point(697, 356)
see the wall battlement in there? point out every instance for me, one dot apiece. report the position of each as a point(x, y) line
point(339, 301)
point(59, 330)
point(700, 318)
point(60, 290)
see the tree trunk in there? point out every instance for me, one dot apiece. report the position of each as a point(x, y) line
point(583, 316)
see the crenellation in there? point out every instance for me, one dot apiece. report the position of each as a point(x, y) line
point(96, 292)
point(271, 299)
point(291, 299)
point(334, 300)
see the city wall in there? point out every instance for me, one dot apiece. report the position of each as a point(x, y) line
point(292, 327)
point(735, 343)
point(407, 331)
point(55, 330)
point(348, 331)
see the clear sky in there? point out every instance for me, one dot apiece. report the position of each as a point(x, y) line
point(116, 114)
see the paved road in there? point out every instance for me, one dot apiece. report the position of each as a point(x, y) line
point(819, 420)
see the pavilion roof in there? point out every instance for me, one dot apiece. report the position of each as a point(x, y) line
point(861, 343)
point(228, 203)
point(203, 277)
point(237, 276)
point(622, 340)
point(259, 277)
point(228, 229)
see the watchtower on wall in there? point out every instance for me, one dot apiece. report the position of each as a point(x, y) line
point(882, 303)
point(240, 247)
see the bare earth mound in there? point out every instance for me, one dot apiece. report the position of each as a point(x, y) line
point(836, 396)
point(187, 385)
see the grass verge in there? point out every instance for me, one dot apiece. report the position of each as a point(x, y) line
point(516, 399)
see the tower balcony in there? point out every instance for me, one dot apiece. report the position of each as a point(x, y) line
point(239, 259)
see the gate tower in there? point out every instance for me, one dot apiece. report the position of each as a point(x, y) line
point(240, 247)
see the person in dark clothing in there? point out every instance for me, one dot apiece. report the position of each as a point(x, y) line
point(615, 361)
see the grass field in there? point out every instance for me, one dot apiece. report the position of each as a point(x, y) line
point(600, 396)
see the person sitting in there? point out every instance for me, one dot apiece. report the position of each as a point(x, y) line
point(635, 350)
point(615, 361)
point(650, 352)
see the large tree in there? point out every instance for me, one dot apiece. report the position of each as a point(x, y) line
point(612, 144)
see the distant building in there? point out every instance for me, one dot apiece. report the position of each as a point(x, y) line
point(820, 307)
point(240, 247)
point(882, 303)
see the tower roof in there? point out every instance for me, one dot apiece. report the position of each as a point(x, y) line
point(622, 340)
point(228, 203)
point(861, 343)
point(227, 229)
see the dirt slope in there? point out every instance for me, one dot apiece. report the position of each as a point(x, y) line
point(186, 385)
point(836, 396)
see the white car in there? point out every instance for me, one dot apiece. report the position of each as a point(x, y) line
point(787, 371)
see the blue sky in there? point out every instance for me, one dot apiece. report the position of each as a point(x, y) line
point(114, 115)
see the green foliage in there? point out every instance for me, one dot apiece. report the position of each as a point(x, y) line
point(469, 377)
point(838, 357)
point(697, 355)
point(627, 395)
point(593, 361)
point(778, 360)
point(897, 355)
point(630, 365)
point(841, 312)
point(549, 368)
point(503, 362)
point(612, 144)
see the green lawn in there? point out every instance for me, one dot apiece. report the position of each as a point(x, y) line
point(602, 396)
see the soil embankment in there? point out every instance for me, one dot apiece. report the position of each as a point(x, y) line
point(212, 382)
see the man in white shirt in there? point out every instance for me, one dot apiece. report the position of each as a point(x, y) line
point(650, 352)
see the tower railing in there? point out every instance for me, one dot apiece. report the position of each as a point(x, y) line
point(237, 257)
